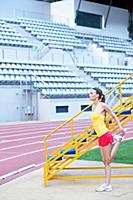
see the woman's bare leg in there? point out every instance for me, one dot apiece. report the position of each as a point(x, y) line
point(114, 150)
point(106, 152)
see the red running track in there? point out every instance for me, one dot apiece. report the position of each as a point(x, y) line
point(21, 145)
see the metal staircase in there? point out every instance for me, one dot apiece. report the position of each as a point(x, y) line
point(79, 144)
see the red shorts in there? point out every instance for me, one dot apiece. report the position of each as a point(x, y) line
point(105, 139)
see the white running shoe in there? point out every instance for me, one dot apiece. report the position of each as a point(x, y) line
point(117, 138)
point(104, 188)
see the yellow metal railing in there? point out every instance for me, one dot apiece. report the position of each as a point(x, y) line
point(119, 85)
point(70, 121)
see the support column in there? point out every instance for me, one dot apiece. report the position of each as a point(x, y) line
point(130, 27)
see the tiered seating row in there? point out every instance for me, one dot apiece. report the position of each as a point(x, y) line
point(57, 36)
point(109, 76)
point(55, 80)
point(60, 36)
point(109, 43)
point(10, 37)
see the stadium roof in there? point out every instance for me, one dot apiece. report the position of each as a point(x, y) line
point(126, 4)
point(50, 1)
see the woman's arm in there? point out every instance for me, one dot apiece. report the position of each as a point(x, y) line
point(107, 109)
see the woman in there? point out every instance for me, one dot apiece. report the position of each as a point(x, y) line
point(105, 138)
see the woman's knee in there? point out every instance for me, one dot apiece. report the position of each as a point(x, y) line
point(107, 162)
point(111, 158)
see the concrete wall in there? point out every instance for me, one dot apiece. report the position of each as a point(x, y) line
point(10, 104)
point(63, 11)
point(47, 109)
point(58, 56)
point(25, 8)
point(16, 104)
point(17, 53)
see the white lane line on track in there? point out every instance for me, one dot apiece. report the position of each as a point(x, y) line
point(40, 164)
point(32, 143)
point(40, 136)
point(45, 125)
point(32, 152)
point(77, 125)
point(43, 163)
point(18, 146)
point(37, 131)
point(7, 148)
point(44, 131)
point(41, 127)
point(61, 133)
point(51, 140)
point(34, 166)
point(18, 171)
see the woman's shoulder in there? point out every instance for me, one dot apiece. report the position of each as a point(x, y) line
point(103, 104)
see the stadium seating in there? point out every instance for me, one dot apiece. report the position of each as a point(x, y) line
point(56, 35)
point(109, 76)
point(52, 80)
point(61, 36)
point(58, 80)
point(109, 43)
point(10, 37)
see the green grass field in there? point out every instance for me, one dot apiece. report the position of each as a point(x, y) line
point(124, 154)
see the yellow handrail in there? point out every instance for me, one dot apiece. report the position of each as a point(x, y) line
point(70, 119)
point(52, 166)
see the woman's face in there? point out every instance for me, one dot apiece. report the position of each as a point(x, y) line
point(93, 95)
